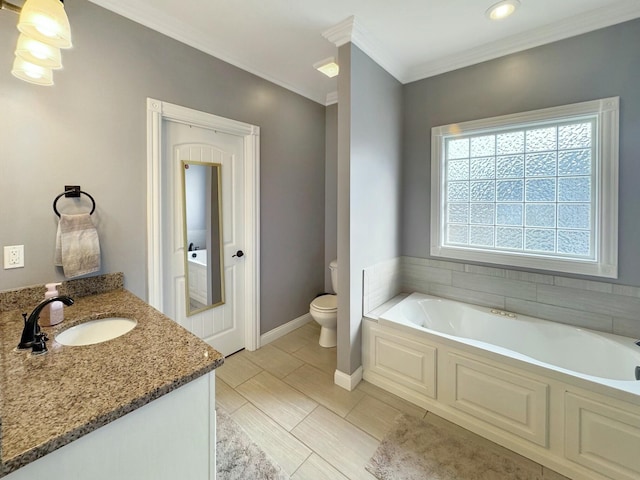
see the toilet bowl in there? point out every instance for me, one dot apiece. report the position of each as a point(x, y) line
point(324, 310)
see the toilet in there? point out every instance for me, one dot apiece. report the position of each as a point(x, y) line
point(324, 310)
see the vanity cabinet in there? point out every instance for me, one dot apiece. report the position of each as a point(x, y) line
point(169, 438)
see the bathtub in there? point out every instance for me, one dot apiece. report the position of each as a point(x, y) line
point(197, 268)
point(199, 257)
point(601, 357)
point(565, 397)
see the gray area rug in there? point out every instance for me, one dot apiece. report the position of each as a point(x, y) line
point(418, 450)
point(238, 458)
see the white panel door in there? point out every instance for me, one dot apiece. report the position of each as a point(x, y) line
point(222, 326)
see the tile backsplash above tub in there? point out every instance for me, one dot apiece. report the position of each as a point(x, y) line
point(596, 305)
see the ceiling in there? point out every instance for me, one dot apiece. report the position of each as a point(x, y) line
point(280, 40)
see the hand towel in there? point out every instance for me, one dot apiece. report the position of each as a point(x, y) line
point(77, 245)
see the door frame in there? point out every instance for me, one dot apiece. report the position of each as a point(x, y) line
point(159, 112)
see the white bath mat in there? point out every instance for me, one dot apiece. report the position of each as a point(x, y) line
point(415, 449)
point(238, 458)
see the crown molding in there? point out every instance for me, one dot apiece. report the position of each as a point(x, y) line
point(180, 31)
point(342, 32)
point(349, 30)
point(571, 27)
point(331, 98)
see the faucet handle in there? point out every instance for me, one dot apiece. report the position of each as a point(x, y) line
point(39, 344)
point(25, 315)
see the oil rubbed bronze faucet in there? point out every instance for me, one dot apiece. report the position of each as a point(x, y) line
point(31, 335)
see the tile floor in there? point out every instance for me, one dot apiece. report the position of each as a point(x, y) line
point(284, 397)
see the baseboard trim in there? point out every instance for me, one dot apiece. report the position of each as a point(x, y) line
point(348, 382)
point(282, 330)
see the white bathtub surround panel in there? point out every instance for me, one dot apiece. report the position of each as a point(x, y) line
point(495, 285)
point(468, 296)
point(604, 303)
point(602, 436)
point(381, 283)
point(516, 401)
point(399, 364)
point(568, 316)
point(509, 401)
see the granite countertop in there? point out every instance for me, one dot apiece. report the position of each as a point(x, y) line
point(47, 401)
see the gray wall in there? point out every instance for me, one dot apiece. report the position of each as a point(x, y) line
point(90, 129)
point(331, 192)
point(369, 232)
point(603, 63)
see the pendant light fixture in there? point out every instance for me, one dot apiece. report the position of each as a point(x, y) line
point(39, 53)
point(32, 73)
point(46, 21)
point(45, 29)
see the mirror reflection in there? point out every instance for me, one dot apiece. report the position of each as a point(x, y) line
point(204, 269)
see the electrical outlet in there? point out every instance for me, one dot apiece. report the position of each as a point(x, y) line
point(13, 256)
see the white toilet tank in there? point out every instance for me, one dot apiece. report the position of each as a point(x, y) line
point(333, 266)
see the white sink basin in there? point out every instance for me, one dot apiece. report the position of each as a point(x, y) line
point(95, 331)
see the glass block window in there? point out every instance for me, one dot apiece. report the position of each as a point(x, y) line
point(536, 189)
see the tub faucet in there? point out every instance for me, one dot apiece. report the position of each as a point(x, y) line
point(31, 336)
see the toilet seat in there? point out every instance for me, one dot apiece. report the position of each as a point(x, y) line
point(325, 303)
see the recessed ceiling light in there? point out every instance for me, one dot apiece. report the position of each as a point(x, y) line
point(328, 66)
point(502, 9)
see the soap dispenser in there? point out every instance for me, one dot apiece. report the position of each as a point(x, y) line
point(53, 313)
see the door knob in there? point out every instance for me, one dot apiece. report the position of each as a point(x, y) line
point(238, 254)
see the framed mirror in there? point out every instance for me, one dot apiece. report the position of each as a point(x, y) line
point(202, 226)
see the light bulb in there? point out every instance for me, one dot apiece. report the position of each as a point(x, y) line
point(46, 26)
point(502, 9)
point(34, 51)
point(32, 73)
point(46, 21)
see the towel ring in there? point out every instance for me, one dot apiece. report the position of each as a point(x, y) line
point(93, 209)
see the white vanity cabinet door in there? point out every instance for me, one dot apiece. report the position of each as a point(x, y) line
point(171, 437)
